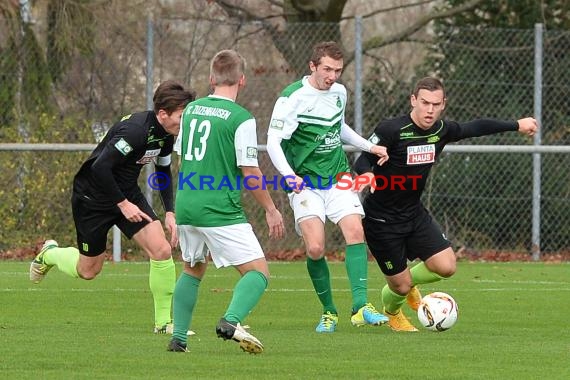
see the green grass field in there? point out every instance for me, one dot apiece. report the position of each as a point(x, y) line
point(513, 324)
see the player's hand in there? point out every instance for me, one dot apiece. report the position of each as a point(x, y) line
point(296, 184)
point(275, 223)
point(528, 126)
point(170, 223)
point(363, 181)
point(381, 152)
point(132, 212)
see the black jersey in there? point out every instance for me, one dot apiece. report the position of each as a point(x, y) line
point(110, 174)
point(413, 151)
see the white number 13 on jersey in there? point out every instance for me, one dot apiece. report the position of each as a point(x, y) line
point(202, 132)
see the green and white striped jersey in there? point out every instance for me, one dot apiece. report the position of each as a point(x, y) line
point(309, 121)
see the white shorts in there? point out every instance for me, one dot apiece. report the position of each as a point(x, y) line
point(231, 245)
point(331, 203)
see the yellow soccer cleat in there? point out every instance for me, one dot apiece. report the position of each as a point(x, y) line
point(414, 298)
point(399, 322)
point(38, 268)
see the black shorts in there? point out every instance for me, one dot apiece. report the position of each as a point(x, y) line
point(392, 245)
point(92, 222)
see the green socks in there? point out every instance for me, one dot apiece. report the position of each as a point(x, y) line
point(422, 275)
point(184, 300)
point(320, 276)
point(161, 279)
point(356, 262)
point(65, 259)
point(247, 293)
point(392, 301)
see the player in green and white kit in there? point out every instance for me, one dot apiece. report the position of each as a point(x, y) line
point(218, 147)
point(304, 142)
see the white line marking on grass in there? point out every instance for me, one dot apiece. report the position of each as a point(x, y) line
point(522, 282)
point(98, 290)
point(230, 274)
point(276, 290)
point(517, 289)
point(221, 274)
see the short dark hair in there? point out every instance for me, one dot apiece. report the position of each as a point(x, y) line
point(326, 49)
point(171, 96)
point(430, 84)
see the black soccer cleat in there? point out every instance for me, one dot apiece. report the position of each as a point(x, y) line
point(177, 346)
point(247, 342)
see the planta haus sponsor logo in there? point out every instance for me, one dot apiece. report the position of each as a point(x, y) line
point(421, 154)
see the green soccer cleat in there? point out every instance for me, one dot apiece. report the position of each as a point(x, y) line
point(236, 332)
point(38, 268)
point(368, 315)
point(328, 323)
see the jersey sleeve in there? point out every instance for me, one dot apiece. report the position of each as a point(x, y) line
point(284, 118)
point(277, 156)
point(349, 136)
point(165, 181)
point(366, 161)
point(165, 186)
point(165, 156)
point(177, 147)
point(246, 144)
point(477, 128)
point(116, 152)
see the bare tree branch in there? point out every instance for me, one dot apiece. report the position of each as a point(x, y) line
point(389, 9)
point(248, 34)
point(305, 6)
point(237, 11)
point(378, 42)
point(302, 7)
point(331, 11)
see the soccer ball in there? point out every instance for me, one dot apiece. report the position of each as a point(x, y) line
point(437, 311)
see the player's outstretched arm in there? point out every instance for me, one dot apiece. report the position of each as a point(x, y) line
point(528, 126)
point(349, 136)
point(381, 152)
point(278, 160)
point(257, 188)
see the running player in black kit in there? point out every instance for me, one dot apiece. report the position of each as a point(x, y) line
point(106, 193)
point(397, 226)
